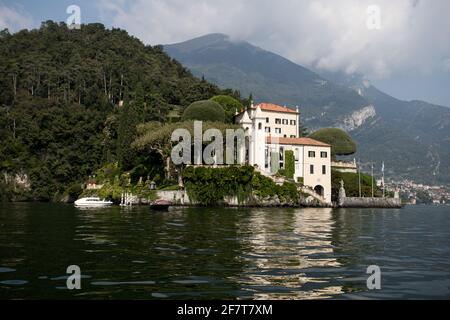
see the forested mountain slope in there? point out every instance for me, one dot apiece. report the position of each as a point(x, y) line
point(60, 102)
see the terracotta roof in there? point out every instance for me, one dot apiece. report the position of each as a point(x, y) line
point(275, 108)
point(296, 141)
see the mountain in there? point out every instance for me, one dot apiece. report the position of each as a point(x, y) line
point(420, 132)
point(268, 77)
point(412, 137)
point(64, 94)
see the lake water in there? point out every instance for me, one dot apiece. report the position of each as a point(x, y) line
point(208, 253)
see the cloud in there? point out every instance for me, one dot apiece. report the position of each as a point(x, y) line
point(14, 18)
point(332, 35)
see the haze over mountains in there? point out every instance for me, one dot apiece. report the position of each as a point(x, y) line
point(412, 137)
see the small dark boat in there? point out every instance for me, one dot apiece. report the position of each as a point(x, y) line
point(160, 205)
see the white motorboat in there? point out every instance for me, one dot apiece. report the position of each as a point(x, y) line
point(92, 202)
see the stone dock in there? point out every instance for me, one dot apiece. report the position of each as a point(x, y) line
point(370, 203)
point(181, 198)
point(352, 202)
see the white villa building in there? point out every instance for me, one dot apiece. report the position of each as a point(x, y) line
point(271, 131)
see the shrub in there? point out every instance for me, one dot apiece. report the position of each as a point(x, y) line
point(230, 106)
point(210, 186)
point(263, 187)
point(289, 164)
point(351, 184)
point(341, 142)
point(74, 190)
point(205, 110)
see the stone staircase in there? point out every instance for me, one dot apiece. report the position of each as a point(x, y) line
point(307, 190)
point(312, 193)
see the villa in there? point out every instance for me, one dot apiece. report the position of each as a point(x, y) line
point(273, 130)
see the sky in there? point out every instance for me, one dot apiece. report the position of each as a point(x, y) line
point(401, 46)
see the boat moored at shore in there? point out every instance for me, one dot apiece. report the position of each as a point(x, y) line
point(161, 205)
point(92, 202)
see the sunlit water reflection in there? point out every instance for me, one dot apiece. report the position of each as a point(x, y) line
point(207, 253)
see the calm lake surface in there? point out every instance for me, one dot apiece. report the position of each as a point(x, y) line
point(206, 253)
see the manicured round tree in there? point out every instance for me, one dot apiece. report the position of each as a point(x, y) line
point(230, 105)
point(205, 110)
point(341, 142)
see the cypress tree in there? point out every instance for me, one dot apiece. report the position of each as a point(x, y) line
point(131, 115)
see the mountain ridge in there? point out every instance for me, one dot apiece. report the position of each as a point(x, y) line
point(412, 137)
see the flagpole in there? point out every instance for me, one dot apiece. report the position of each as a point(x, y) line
point(384, 187)
point(372, 181)
point(359, 176)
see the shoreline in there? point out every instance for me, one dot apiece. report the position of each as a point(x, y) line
point(248, 206)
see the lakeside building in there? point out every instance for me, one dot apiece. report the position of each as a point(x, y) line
point(345, 166)
point(273, 130)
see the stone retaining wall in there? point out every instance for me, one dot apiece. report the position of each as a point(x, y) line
point(370, 203)
point(180, 198)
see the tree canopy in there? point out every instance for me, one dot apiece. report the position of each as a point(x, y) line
point(205, 110)
point(157, 136)
point(341, 142)
point(68, 96)
point(230, 105)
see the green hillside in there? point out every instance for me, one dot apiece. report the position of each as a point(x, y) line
point(61, 109)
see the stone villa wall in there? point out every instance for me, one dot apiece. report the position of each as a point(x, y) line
point(176, 197)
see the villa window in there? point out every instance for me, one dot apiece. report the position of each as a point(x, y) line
point(268, 129)
point(293, 123)
point(324, 169)
point(277, 121)
point(312, 154)
point(297, 154)
point(285, 121)
point(267, 120)
point(281, 158)
point(324, 154)
point(311, 169)
point(293, 136)
point(278, 130)
point(260, 126)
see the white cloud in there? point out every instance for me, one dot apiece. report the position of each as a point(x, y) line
point(14, 18)
point(332, 35)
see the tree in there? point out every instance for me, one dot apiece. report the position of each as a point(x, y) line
point(341, 142)
point(230, 106)
point(156, 137)
point(423, 197)
point(130, 117)
point(289, 170)
point(303, 131)
point(205, 110)
point(351, 182)
point(60, 113)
